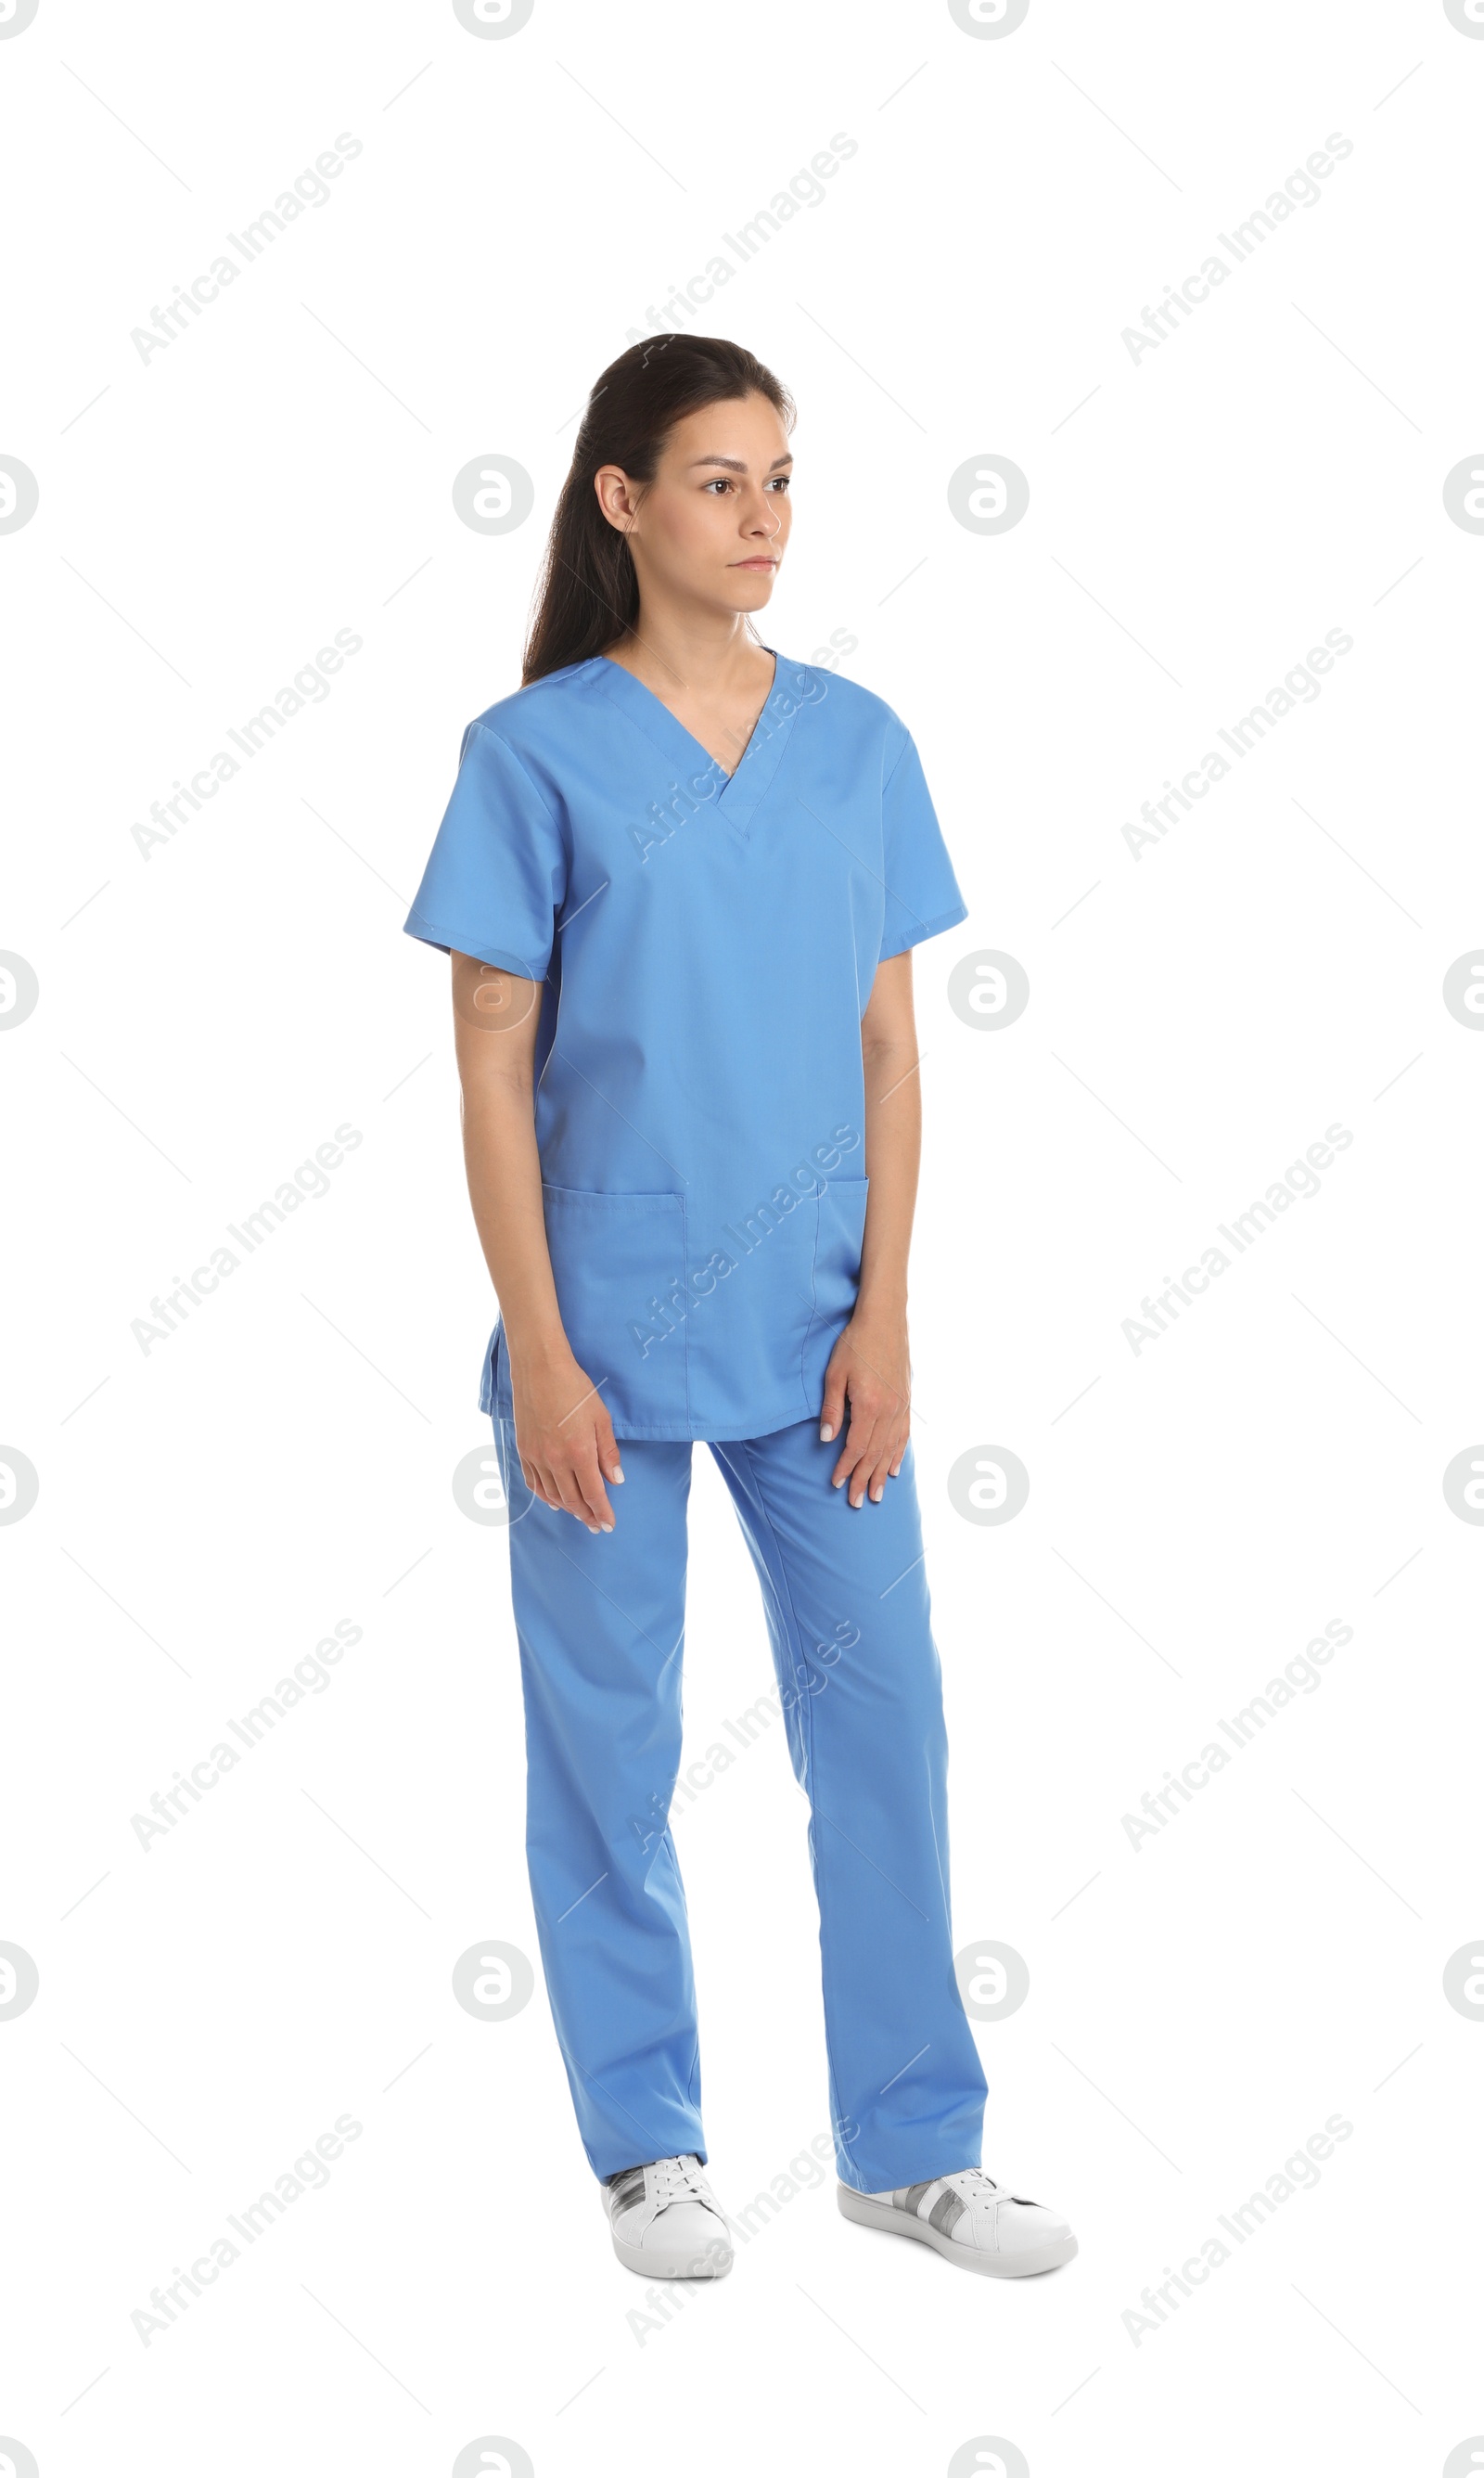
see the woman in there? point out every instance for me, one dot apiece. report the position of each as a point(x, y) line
point(679, 876)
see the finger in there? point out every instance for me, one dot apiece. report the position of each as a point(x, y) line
point(849, 1451)
point(860, 1454)
point(545, 1487)
point(571, 1497)
point(862, 1475)
point(589, 1480)
point(831, 1410)
point(847, 1421)
point(609, 1463)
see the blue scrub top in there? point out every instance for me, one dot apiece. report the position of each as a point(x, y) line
point(707, 944)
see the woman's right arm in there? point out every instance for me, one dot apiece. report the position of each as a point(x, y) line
point(564, 1435)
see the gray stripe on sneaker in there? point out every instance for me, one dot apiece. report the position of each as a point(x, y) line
point(915, 2193)
point(626, 2190)
point(946, 2213)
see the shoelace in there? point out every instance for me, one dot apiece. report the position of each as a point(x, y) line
point(679, 2181)
point(977, 2187)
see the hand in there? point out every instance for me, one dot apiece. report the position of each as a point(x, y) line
point(869, 1369)
point(563, 1437)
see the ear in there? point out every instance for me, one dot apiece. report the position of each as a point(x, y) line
point(614, 497)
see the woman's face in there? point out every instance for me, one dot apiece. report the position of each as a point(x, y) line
point(711, 527)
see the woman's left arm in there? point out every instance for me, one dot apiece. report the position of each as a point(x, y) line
point(868, 1368)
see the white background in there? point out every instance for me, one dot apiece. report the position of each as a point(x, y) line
point(1198, 1017)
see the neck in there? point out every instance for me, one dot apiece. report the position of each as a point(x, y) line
point(706, 654)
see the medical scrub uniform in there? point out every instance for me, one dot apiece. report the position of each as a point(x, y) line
point(706, 946)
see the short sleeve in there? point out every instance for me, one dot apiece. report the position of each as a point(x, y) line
point(921, 892)
point(496, 876)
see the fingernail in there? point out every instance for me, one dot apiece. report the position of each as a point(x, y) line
point(619, 1477)
point(877, 1496)
point(825, 1434)
point(608, 1527)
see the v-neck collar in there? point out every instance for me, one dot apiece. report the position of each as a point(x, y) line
point(737, 795)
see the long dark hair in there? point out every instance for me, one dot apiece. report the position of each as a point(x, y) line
point(589, 592)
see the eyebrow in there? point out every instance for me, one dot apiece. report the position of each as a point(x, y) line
point(735, 464)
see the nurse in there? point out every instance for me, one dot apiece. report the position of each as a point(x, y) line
point(680, 876)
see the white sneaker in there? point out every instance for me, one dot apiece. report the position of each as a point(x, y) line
point(972, 2220)
point(667, 2222)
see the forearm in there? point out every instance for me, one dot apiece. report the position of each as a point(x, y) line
point(504, 1174)
point(564, 1435)
point(495, 1019)
point(893, 1144)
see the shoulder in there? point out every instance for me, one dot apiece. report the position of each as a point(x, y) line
point(513, 758)
point(526, 741)
point(531, 720)
point(849, 708)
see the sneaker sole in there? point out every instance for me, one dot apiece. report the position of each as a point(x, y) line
point(869, 2215)
point(711, 2265)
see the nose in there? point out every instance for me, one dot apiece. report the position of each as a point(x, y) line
point(763, 517)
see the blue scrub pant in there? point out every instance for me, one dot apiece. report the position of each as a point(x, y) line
point(600, 1620)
